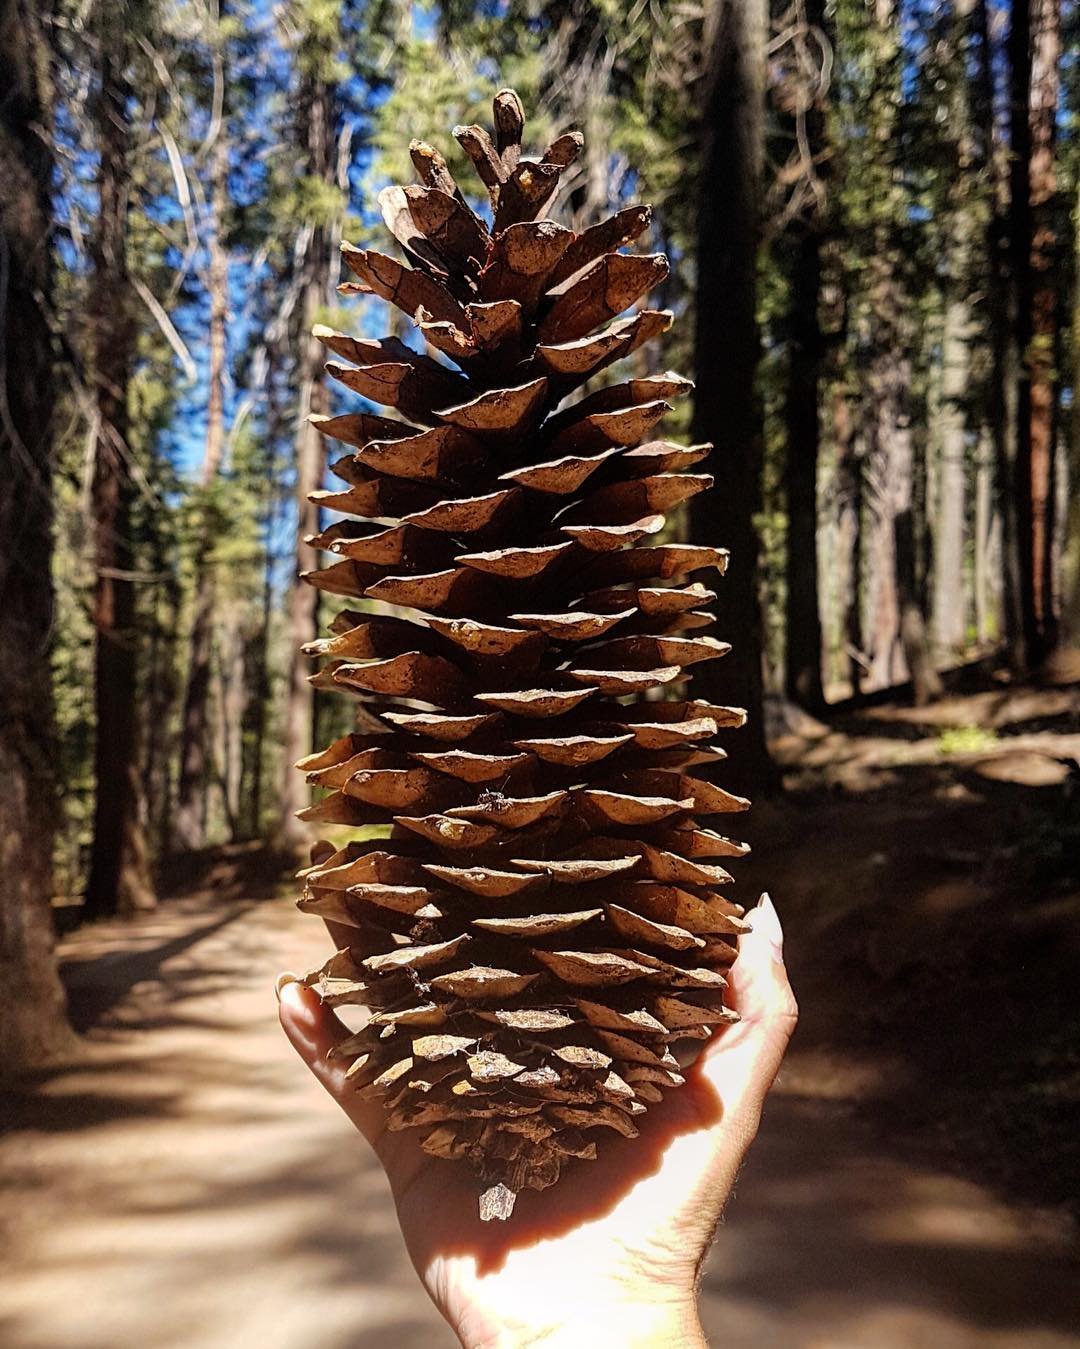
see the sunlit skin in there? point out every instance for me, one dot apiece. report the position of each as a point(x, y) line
point(611, 1254)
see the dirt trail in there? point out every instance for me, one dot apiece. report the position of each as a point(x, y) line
point(185, 1184)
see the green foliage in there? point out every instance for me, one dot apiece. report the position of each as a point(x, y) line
point(904, 167)
point(968, 739)
point(312, 201)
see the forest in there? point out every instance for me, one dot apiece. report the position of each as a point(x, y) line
point(871, 215)
point(871, 209)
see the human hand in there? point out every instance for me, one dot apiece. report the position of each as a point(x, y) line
point(610, 1255)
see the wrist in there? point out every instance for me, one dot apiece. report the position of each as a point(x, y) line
point(643, 1326)
point(671, 1323)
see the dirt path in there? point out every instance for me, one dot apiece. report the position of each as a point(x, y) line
point(186, 1184)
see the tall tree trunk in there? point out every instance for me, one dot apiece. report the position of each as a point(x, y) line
point(1003, 359)
point(1043, 346)
point(190, 823)
point(802, 665)
point(231, 706)
point(32, 1020)
point(948, 608)
point(802, 615)
point(949, 617)
point(899, 641)
point(1069, 633)
point(259, 649)
point(258, 703)
point(985, 527)
point(727, 407)
point(162, 703)
point(1034, 46)
point(119, 879)
point(849, 534)
point(317, 128)
point(162, 690)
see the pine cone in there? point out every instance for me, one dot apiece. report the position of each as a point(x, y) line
point(538, 921)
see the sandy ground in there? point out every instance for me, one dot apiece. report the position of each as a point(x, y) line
point(184, 1183)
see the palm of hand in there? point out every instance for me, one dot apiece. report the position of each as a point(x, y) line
point(630, 1227)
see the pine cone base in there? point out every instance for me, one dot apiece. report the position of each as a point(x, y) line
point(539, 921)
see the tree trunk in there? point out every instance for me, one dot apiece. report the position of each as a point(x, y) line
point(1000, 392)
point(163, 691)
point(33, 1025)
point(190, 823)
point(259, 651)
point(849, 535)
point(231, 707)
point(1034, 45)
point(119, 879)
point(802, 665)
point(899, 644)
point(1069, 633)
point(1043, 346)
point(303, 606)
point(949, 617)
point(802, 615)
point(948, 607)
point(983, 546)
point(727, 407)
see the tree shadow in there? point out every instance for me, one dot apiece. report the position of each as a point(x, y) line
point(99, 983)
point(822, 1224)
point(931, 932)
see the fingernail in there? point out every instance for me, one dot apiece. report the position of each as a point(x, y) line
point(287, 977)
point(767, 923)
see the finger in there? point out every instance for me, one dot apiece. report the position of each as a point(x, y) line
point(742, 1060)
point(314, 1030)
point(760, 990)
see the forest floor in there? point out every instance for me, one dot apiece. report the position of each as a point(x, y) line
point(182, 1183)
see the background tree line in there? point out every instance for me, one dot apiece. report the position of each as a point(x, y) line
point(871, 207)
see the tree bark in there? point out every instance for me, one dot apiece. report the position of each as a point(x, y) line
point(259, 684)
point(163, 691)
point(1043, 346)
point(948, 607)
point(33, 1024)
point(190, 822)
point(317, 130)
point(898, 631)
point(119, 879)
point(802, 664)
point(985, 529)
point(1034, 48)
point(727, 408)
point(806, 349)
point(1003, 360)
point(1069, 633)
point(849, 535)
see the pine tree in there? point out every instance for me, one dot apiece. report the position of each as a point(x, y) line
point(33, 1023)
point(322, 207)
point(727, 406)
point(957, 207)
point(803, 99)
point(195, 721)
point(899, 644)
point(119, 877)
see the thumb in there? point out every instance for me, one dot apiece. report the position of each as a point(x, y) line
point(741, 1061)
point(314, 1031)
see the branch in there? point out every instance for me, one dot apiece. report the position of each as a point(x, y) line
point(168, 330)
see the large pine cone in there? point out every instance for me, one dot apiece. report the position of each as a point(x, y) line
point(538, 920)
